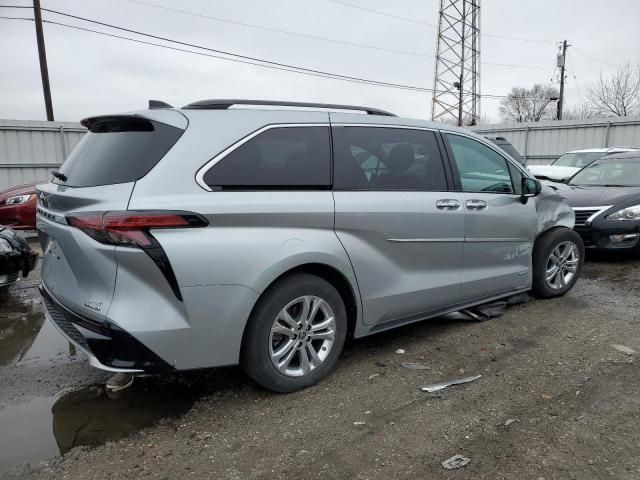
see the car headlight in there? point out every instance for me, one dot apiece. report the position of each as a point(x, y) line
point(629, 213)
point(5, 246)
point(18, 199)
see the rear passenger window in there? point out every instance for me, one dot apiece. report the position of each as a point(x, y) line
point(378, 158)
point(279, 158)
point(481, 168)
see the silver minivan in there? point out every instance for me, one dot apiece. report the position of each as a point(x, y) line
point(265, 233)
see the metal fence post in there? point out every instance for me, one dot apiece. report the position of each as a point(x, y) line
point(526, 143)
point(606, 134)
point(63, 146)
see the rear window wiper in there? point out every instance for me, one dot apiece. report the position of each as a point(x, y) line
point(60, 176)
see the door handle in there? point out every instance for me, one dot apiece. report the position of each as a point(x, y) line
point(476, 204)
point(448, 204)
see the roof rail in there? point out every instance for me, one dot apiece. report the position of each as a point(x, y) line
point(225, 104)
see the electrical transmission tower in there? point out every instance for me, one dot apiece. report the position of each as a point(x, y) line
point(456, 82)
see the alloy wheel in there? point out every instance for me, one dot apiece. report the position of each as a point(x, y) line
point(562, 265)
point(302, 336)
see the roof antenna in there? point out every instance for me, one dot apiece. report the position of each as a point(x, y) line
point(158, 105)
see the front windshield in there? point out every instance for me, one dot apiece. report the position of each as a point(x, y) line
point(609, 173)
point(577, 159)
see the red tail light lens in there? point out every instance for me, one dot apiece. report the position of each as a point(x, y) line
point(132, 228)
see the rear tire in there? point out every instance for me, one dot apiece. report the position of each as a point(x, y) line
point(558, 257)
point(295, 334)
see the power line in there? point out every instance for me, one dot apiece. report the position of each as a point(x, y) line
point(573, 74)
point(277, 30)
point(260, 61)
point(593, 58)
point(362, 45)
point(422, 22)
point(250, 61)
point(291, 69)
point(316, 37)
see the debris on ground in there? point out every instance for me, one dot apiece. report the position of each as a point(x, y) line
point(509, 422)
point(359, 423)
point(400, 350)
point(119, 382)
point(624, 349)
point(457, 461)
point(415, 366)
point(487, 311)
point(371, 377)
point(442, 385)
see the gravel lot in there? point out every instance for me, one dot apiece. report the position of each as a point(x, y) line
point(555, 400)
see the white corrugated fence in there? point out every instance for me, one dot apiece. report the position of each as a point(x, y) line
point(30, 149)
point(542, 142)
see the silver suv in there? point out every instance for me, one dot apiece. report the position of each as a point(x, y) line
point(263, 234)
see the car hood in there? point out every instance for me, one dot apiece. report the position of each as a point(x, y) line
point(552, 172)
point(17, 190)
point(598, 196)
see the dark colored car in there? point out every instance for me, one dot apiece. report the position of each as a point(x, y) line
point(505, 145)
point(605, 196)
point(18, 207)
point(16, 257)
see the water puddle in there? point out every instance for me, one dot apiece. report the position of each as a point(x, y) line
point(25, 336)
point(47, 426)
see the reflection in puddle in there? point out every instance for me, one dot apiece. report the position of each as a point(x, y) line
point(25, 336)
point(85, 417)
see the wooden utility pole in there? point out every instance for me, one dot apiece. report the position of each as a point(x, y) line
point(44, 71)
point(562, 60)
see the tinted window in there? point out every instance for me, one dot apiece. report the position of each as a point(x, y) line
point(481, 168)
point(510, 149)
point(376, 158)
point(118, 150)
point(516, 176)
point(277, 158)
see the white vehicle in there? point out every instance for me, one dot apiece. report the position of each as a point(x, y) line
point(568, 164)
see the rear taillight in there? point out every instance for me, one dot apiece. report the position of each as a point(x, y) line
point(131, 228)
point(134, 229)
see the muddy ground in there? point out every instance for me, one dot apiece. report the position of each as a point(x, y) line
point(555, 400)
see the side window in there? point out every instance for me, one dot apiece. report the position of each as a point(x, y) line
point(378, 158)
point(516, 176)
point(481, 169)
point(281, 157)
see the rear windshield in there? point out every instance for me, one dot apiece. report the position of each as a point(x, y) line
point(117, 150)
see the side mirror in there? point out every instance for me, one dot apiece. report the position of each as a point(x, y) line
point(530, 188)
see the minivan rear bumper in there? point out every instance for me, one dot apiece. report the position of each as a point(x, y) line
point(108, 346)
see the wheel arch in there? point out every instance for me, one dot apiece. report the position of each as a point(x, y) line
point(341, 281)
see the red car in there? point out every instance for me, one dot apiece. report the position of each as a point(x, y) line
point(18, 207)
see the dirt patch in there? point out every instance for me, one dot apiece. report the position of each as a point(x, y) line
point(548, 370)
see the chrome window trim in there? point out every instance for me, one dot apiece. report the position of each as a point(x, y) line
point(600, 209)
point(202, 171)
point(382, 125)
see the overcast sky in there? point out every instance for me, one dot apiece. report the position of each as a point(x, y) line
point(93, 74)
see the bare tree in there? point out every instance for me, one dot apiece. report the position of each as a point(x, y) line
point(578, 112)
point(617, 95)
point(529, 105)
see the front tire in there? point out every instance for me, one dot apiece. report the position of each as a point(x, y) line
point(558, 257)
point(295, 334)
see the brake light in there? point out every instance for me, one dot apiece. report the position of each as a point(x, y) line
point(131, 227)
